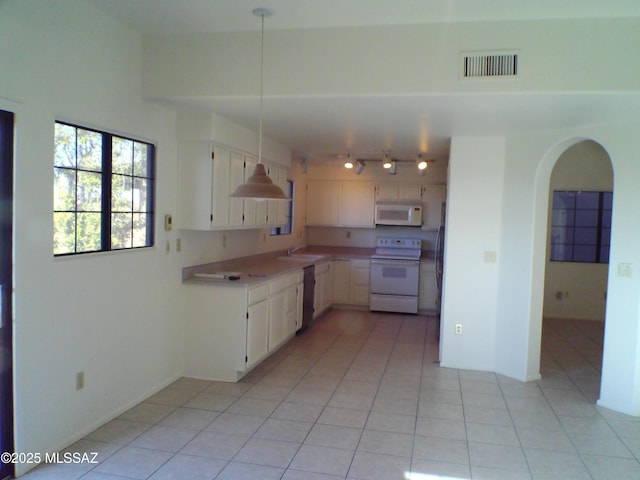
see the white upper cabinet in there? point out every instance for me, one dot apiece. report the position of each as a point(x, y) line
point(236, 205)
point(399, 191)
point(207, 175)
point(277, 210)
point(435, 197)
point(356, 204)
point(322, 203)
point(344, 204)
point(203, 182)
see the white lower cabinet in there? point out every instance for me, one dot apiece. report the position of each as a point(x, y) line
point(257, 332)
point(360, 270)
point(428, 296)
point(323, 292)
point(341, 280)
point(230, 329)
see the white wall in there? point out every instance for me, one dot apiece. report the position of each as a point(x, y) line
point(115, 316)
point(582, 286)
point(426, 58)
point(472, 252)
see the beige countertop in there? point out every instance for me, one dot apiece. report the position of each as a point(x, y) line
point(255, 269)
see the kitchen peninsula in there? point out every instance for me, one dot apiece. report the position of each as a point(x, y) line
point(240, 311)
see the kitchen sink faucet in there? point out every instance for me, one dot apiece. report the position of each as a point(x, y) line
point(291, 250)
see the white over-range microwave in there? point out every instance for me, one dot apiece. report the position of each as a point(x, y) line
point(399, 213)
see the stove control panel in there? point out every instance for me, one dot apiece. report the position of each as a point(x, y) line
point(393, 242)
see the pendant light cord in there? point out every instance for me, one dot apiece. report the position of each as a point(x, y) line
point(261, 90)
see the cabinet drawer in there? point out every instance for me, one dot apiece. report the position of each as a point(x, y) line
point(294, 278)
point(360, 276)
point(278, 284)
point(255, 294)
point(322, 267)
point(360, 263)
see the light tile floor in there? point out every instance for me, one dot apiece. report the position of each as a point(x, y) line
point(360, 396)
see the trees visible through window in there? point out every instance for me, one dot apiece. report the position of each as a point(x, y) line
point(103, 191)
point(581, 226)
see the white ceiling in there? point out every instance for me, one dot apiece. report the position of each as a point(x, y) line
point(322, 128)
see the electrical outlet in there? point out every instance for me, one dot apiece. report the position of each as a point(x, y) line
point(264, 237)
point(80, 380)
point(458, 329)
point(168, 247)
point(348, 234)
point(224, 241)
point(178, 244)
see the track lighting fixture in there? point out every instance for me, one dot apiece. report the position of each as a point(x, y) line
point(386, 162)
point(422, 164)
point(348, 163)
point(393, 169)
point(359, 167)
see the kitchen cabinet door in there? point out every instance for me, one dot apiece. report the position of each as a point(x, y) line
point(360, 270)
point(277, 318)
point(203, 183)
point(257, 332)
point(399, 191)
point(341, 280)
point(236, 177)
point(428, 294)
point(322, 203)
point(291, 310)
point(278, 209)
point(356, 204)
point(250, 207)
point(434, 204)
point(299, 300)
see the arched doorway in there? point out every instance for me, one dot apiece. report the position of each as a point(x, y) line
point(576, 267)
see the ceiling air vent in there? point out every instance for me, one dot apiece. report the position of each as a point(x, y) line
point(489, 65)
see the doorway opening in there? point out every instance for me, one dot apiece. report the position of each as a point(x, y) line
point(576, 270)
point(6, 288)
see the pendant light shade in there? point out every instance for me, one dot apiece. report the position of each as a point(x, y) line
point(259, 186)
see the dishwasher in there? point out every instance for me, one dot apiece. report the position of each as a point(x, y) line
point(308, 288)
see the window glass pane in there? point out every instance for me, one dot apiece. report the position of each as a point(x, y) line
point(583, 253)
point(139, 195)
point(564, 200)
point(604, 254)
point(64, 228)
point(561, 217)
point(89, 150)
point(122, 154)
point(605, 236)
point(586, 218)
point(64, 189)
point(65, 146)
point(589, 200)
point(561, 253)
point(561, 235)
point(586, 236)
point(606, 218)
point(88, 232)
point(607, 200)
point(140, 160)
point(121, 196)
point(140, 230)
point(121, 228)
point(89, 196)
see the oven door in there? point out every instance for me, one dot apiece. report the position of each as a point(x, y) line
point(394, 277)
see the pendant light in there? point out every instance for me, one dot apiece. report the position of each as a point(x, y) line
point(259, 186)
